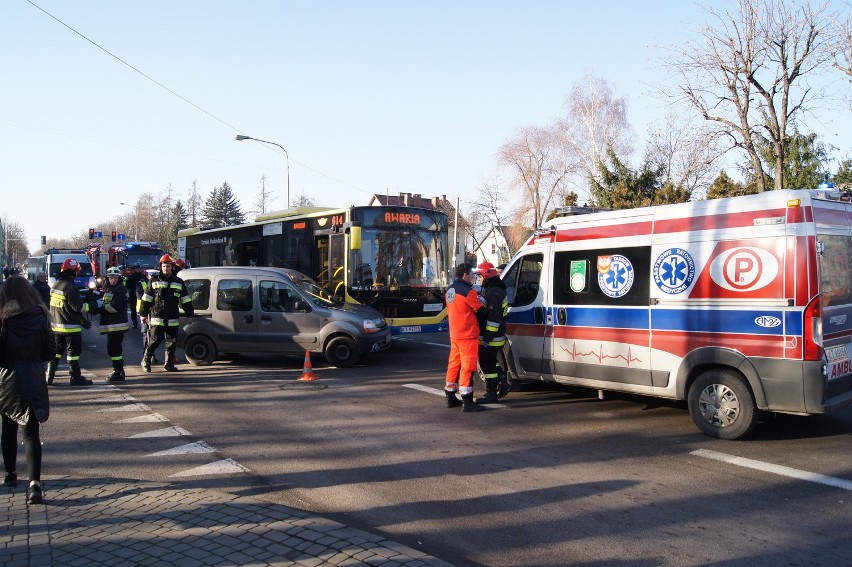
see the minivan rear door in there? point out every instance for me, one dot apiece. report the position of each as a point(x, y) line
point(287, 322)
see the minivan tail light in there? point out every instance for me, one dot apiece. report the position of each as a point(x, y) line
point(812, 330)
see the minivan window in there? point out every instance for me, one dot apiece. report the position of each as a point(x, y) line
point(199, 292)
point(234, 295)
point(277, 297)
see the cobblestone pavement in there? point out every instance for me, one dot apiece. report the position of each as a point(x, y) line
point(93, 522)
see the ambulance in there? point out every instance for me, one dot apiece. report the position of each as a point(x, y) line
point(735, 306)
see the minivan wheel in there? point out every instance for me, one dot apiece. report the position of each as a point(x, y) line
point(199, 350)
point(722, 405)
point(341, 352)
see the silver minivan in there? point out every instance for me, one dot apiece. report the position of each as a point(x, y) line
point(241, 309)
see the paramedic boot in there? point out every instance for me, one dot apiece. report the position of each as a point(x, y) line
point(51, 370)
point(146, 360)
point(169, 366)
point(469, 404)
point(452, 400)
point(117, 372)
point(77, 378)
point(491, 387)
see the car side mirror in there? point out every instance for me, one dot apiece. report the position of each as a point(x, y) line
point(301, 306)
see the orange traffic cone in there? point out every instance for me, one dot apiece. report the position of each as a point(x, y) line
point(308, 372)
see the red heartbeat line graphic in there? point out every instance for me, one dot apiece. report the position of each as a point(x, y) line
point(600, 354)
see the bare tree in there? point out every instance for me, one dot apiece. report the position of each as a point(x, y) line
point(687, 152)
point(194, 204)
point(484, 213)
point(536, 161)
point(14, 241)
point(264, 199)
point(594, 120)
point(748, 73)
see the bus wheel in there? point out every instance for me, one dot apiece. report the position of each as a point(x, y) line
point(199, 350)
point(341, 352)
point(722, 405)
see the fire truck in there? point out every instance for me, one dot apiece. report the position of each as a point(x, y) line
point(135, 256)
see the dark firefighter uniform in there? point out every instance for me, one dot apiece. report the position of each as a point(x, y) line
point(66, 311)
point(164, 297)
point(492, 326)
point(114, 322)
point(462, 307)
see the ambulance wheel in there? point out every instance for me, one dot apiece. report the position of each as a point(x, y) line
point(722, 405)
point(341, 352)
point(199, 350)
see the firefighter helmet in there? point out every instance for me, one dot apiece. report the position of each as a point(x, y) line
point(166, 259)
point(113, 272)
point(180, 263)
point(487, 270)
point(70, 264)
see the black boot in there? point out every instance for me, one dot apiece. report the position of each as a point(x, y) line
point(469, 404)
point(169, 366)
point(146, 360)
point(452, 400)
point(117, 372)
point(51, 370)
point(77, 378)
point(491, 387)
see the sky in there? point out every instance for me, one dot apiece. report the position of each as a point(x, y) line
point(368, 97)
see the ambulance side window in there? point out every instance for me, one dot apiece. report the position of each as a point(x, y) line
point(604, 276)
point(522, 280)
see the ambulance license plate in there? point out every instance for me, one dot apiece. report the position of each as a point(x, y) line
point(839, 363)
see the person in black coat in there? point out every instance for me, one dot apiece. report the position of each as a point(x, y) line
point(26, 343)
point(42, 287)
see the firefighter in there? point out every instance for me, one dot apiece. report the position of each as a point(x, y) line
point(114, 321)
point(492, 328)
point(67, 312)
point(165, 296)
point(463, 304)
point(133, 280)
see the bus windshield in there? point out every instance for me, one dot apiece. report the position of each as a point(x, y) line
point(398, 258)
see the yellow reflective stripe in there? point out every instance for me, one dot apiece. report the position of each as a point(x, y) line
point(186, 299)
point(114, 328)
point(116, 358)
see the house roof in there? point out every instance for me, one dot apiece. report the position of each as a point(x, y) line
point(413, 200)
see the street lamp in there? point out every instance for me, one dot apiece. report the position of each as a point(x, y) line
point(135, 220)
point(240, 138)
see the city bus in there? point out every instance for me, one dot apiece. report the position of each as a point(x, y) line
point(393, 259)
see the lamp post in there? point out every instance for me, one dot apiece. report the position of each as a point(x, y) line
point(135, 221)
point(240, 138)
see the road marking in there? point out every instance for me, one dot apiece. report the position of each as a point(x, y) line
point(150, 418)
point(109, 399)
point(775, 469)
point(173, 431)
point(225, 466)
point(129, 407)
point(440, 392)
point(190, 448)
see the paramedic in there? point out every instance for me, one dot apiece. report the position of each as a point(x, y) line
point(462, 306)
point(492, 333)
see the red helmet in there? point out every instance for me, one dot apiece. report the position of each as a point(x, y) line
point(487, 270)
point(166, 259)
point(70, 264)
point(180, 263)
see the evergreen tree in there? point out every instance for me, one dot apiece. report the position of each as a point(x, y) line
point(843, 177)
point(221, 208)
point(180, 221)
point(804, 163)
point(623, 188)
point(723, 186)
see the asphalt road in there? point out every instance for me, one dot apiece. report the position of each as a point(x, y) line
point(553, 477)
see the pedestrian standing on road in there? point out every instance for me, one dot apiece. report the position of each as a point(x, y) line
point(42, 287)
point(67, 314)
point(165, 297)
point(26, 343)
point(492, 328)
point(463, 304)
point(114, 322)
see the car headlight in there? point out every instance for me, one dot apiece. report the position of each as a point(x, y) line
point(374, 325)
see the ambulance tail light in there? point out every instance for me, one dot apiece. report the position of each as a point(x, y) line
point(812, 330)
